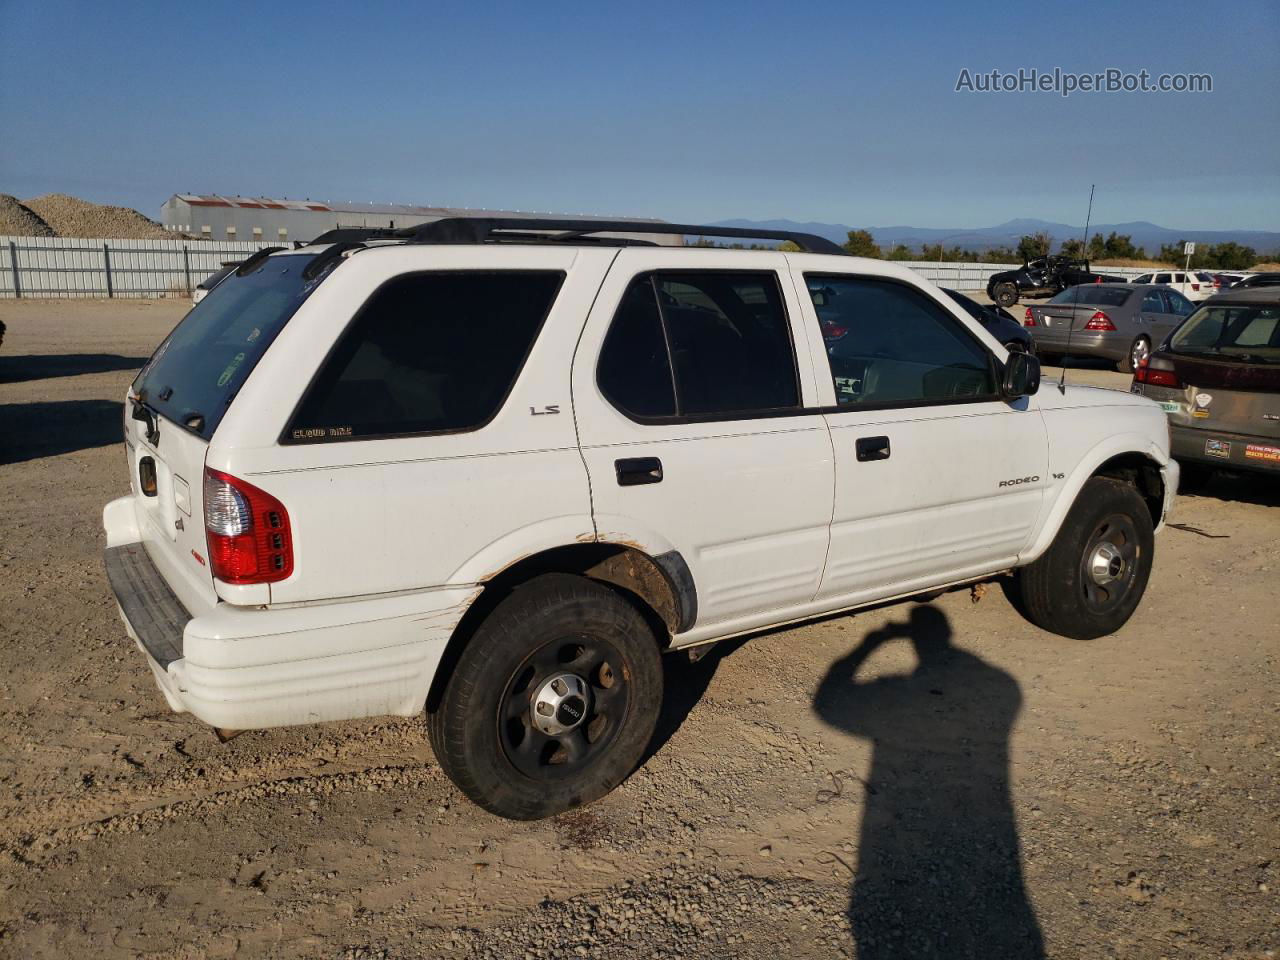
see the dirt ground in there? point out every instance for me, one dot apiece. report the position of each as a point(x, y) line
point(933, 779)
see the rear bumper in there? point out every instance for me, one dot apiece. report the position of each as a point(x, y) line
point(245, 668)
point(1090, 343)
point(1243, 452)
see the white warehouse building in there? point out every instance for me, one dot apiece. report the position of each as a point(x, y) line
point(264, 220)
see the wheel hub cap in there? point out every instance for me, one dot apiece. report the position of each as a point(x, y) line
point(560, 704)
point(1106, 565)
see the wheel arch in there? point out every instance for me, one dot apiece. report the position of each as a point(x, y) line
point(660, 586)
point(1133, 460)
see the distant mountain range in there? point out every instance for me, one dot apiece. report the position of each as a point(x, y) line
point(1144, 234)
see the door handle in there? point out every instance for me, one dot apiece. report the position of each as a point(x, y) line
point(637, 470)
point(872, 448)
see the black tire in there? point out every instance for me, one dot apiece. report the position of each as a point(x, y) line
point(1194, 476)
point(1141, 347)
point(483, 729)
point(1060, 591)
point(1005, 294)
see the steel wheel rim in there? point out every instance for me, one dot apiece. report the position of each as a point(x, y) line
point(566, 674)
point(1109, 563)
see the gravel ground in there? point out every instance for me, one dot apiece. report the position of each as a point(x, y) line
point(70, 216)
point(18, 220)
point(936, 780)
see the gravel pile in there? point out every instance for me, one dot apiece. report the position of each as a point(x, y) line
point(18, 220)
point(678, 912)
point(72, 217)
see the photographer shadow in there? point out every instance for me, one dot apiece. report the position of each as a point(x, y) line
point(939, 870)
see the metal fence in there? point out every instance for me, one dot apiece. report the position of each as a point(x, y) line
point(70, 267)
point(64, 267)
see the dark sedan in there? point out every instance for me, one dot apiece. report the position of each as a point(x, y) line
point(998, 321)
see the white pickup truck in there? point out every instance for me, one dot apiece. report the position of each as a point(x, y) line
point(490, 470)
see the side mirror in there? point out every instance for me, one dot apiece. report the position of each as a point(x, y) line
point(1021, 376)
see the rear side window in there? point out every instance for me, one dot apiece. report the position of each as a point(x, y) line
point(428, 353)
point(700, 344)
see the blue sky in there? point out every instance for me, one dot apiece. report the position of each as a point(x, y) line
point(843, 112)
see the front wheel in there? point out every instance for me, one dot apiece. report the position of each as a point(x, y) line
point(552, 703)
point(1006, 294)
point(1092, 577)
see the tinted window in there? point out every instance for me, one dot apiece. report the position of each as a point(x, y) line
point(1095, 294)
point(428, 352)
point(1232, 331)
point(635, 371)
point(1151, 303)
point(196, 371)
point(1145, 278)
point(1179, 304)
point(1162, 278)
point(888, 343)
point(729, 341)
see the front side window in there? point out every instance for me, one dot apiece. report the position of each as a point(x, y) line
point(889, 344)
point(1162, 278)
point(700, 344)
point(427, 353)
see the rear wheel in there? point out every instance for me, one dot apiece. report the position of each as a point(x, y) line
point(552, 703)
point(1139, 353)
point(1092, 577)
point(1006, 294)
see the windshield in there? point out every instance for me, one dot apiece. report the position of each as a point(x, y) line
point(1251, 333)
point(1094, 295)
point(194, 374)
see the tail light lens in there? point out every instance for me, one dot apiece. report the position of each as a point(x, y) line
point(247, 530)
point(1099, 321)
point(1195, 286)
point(833, 331)
point(1028, 318)
point(1158, 372)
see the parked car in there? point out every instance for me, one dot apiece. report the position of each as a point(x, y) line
point(1261, 280)
point(1193, 285)
point(1218, 379)
point(1225, 281)
point(999, 322)
point(1042, 277)
point(490, 470)
point(208, 283)
point(1121, 322)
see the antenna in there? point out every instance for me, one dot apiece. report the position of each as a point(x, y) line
point(1075, 302)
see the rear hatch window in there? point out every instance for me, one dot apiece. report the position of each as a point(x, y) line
point(195, 373)
point(1231, 332)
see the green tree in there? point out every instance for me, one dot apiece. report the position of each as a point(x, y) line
point(1097, 247)
point(901, 252)
point(1034, 245)
point(789, 246)
point(862, 244)
point(1119, 246)
point(1072, 248)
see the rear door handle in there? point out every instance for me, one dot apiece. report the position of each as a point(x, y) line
point(872, 448)
point(638, 470)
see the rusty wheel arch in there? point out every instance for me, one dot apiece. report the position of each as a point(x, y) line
point(660, 587)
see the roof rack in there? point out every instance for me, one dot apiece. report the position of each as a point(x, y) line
point(472, 230)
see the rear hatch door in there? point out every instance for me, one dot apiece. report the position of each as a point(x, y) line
point(1229, 395)
point(179, 398)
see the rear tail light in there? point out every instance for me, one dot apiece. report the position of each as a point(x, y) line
point(1028, 319)
point(833, 331)
point(1099, 321)
point(1158, 372)
point(247, 530)
point(1195, 286)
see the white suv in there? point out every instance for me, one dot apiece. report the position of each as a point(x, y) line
point(493, 469)
point(1194, 285)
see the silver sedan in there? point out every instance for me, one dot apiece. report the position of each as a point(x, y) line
point(1121, 322)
